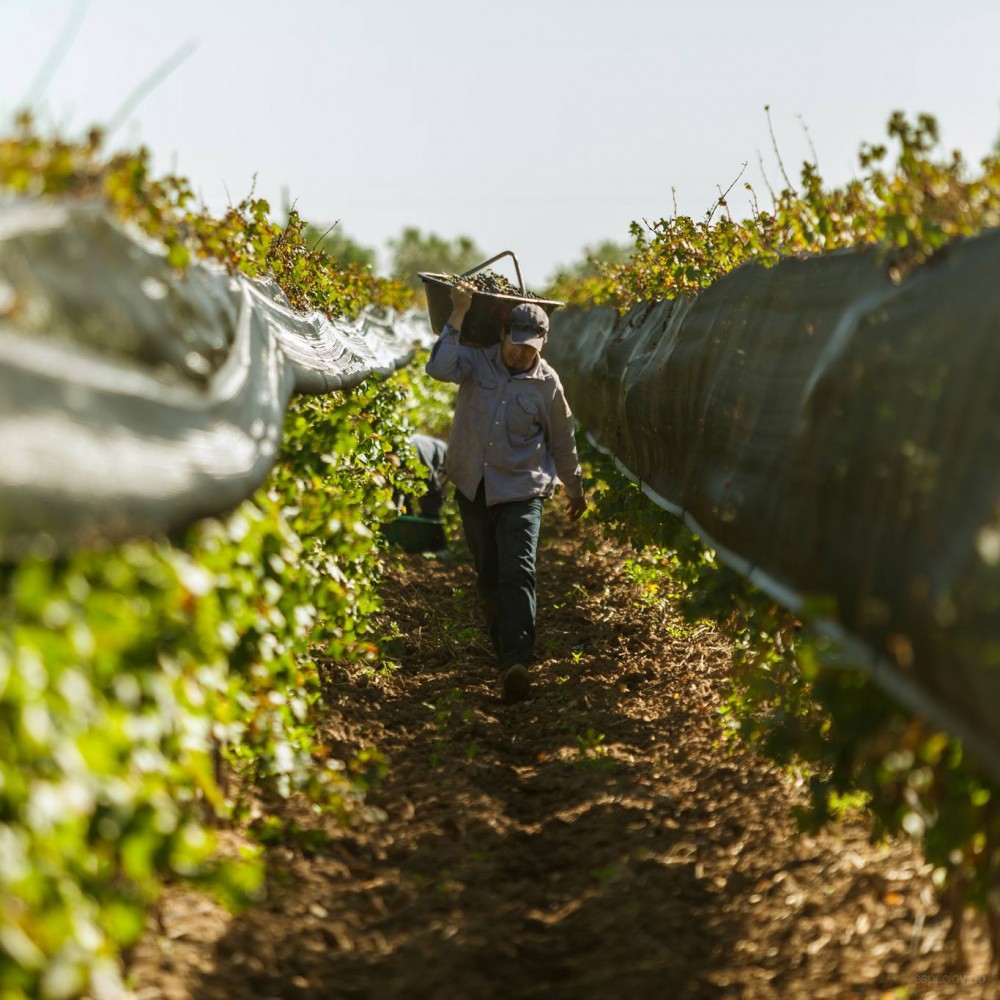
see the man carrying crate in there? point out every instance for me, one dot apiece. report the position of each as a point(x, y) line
point(511, 438)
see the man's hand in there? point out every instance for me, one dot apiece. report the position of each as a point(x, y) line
point(575, 506)
point(461, 301)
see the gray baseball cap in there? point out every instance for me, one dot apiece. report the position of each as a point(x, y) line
point(528, 324)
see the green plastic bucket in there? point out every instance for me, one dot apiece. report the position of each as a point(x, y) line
point(416, 534)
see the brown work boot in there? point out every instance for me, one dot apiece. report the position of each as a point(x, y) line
point(514, 683)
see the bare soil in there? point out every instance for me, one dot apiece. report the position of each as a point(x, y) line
point(599, 840)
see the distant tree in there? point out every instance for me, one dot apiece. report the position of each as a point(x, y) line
point(594, 257)
point(338, 245)
point(413, 252)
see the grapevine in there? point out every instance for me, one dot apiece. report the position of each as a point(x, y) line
point(130, 673)
point(492, 283)
point(912, 210)
point(792, 693)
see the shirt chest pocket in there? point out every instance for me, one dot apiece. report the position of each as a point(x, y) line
point(483, 399)
point(523, 416)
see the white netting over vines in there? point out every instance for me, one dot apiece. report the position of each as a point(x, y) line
point(135, 398)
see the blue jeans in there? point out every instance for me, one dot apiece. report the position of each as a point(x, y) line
point(503, 540)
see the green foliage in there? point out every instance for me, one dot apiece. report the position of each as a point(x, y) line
point(123, 673)
point(798, 699)
point(127, 674)
point(591, 751)
point(245, 239)
point(912, 209)
point(793, 694)
point(106, 729)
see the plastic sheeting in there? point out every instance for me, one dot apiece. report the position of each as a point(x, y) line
point(135, 398)
point(836, 437)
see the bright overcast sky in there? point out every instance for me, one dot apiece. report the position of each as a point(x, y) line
point(539, 126)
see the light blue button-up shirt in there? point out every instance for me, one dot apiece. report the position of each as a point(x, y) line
point(515, 431)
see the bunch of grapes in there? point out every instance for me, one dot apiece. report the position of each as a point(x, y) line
point(493, 284)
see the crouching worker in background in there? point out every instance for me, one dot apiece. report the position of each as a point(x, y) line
point(420, 529)
point(431, 455)
point(511, 438)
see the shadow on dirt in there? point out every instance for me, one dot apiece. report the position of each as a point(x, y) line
point(558, 848)
point(600, 840)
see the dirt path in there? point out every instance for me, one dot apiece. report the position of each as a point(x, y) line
point(593, 842)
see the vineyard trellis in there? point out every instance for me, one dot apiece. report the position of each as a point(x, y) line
point(832, 435)
point(129, 665)
point(135, 398)
point(124, 669)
